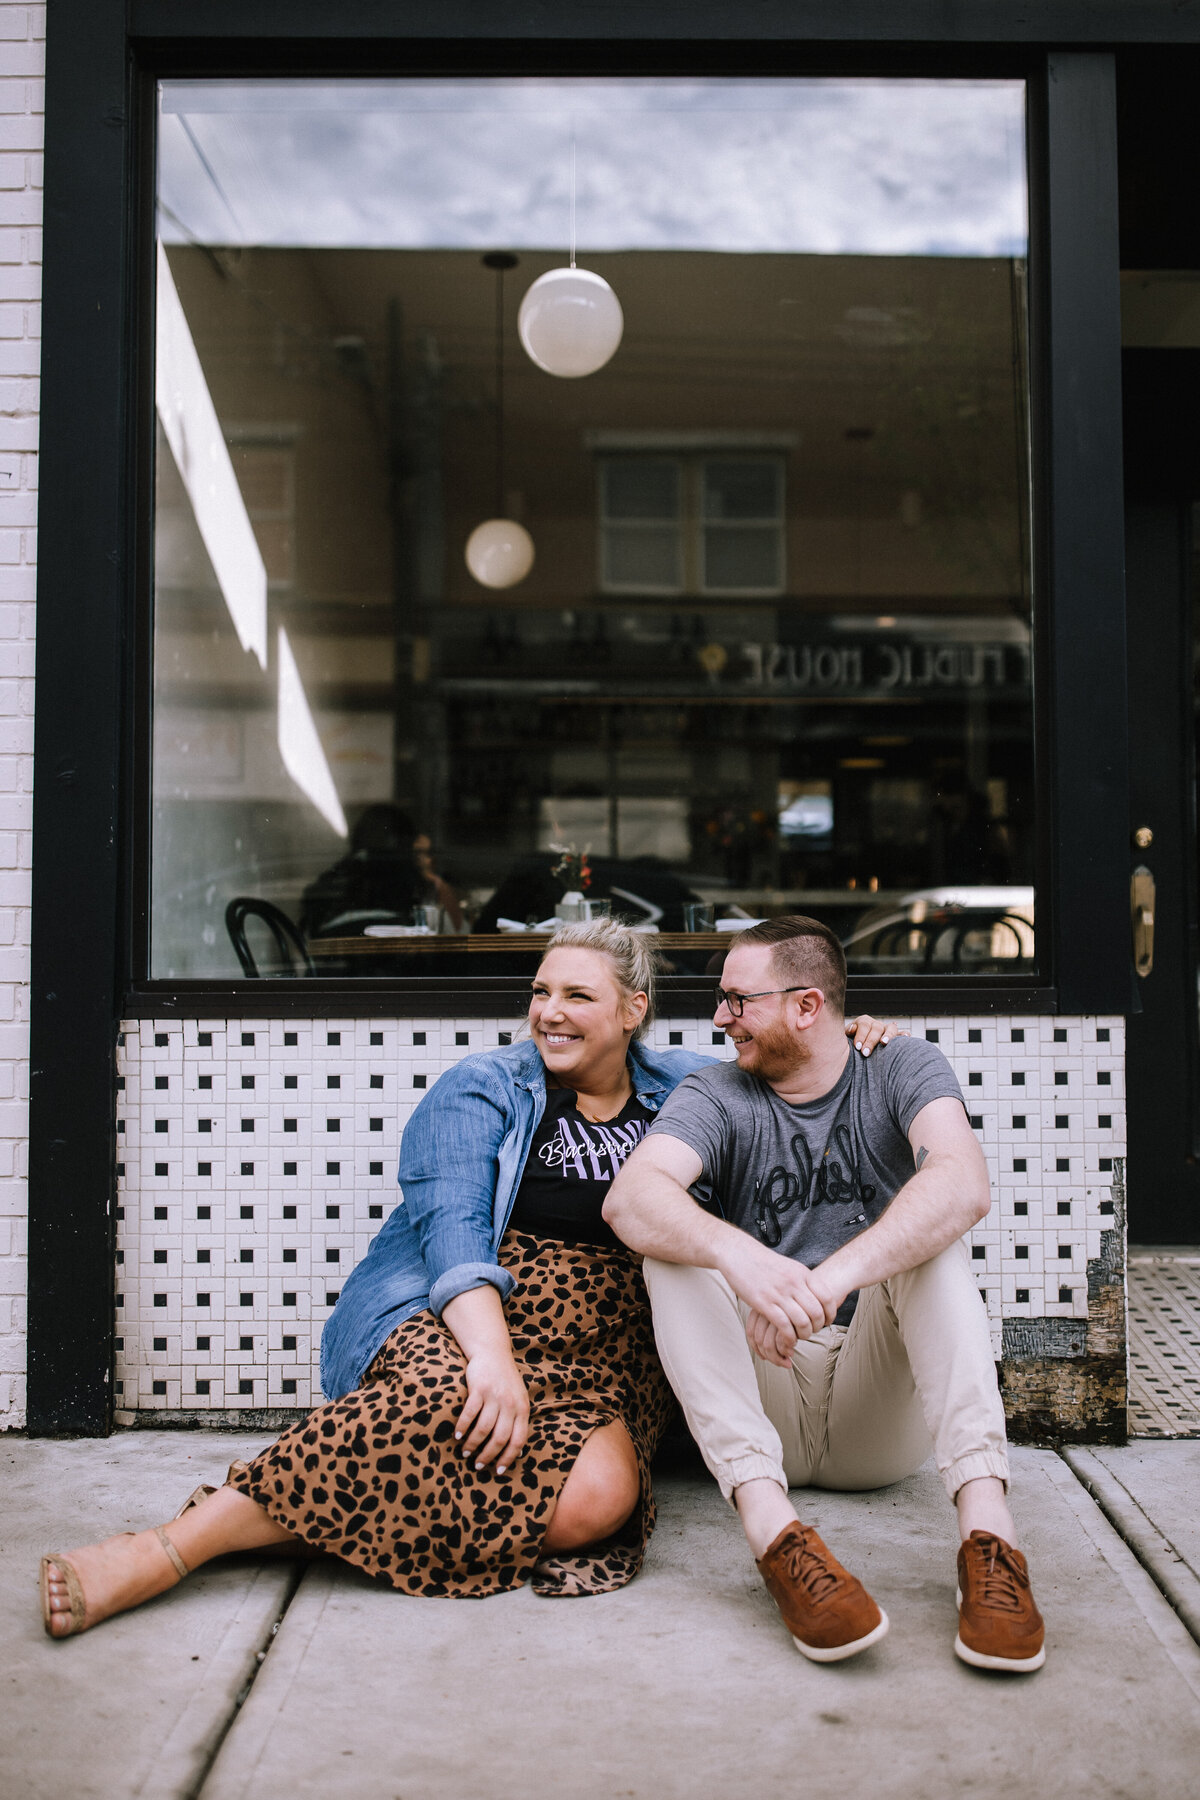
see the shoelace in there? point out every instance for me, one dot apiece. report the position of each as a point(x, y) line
point(806, 1565)
point(998, 1577)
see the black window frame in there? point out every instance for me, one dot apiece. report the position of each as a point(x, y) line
point(103, 60)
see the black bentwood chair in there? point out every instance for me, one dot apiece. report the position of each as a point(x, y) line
point(293, 953)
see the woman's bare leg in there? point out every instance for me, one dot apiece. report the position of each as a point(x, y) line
point(600, 1492)
point(122, 1572)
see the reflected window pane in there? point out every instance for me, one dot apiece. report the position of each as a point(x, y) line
point(748, 613)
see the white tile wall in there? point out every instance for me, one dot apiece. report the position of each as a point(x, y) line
point(257, 1158)
point(22, 61)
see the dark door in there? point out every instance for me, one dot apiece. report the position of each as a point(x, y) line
point(1162, 415)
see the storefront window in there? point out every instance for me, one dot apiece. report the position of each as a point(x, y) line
point(772, 652)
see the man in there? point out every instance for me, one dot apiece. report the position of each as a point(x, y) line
point(827, 1327)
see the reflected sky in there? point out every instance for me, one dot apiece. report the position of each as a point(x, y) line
point(890, 168)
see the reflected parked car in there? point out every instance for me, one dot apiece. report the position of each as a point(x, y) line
point(956, 928)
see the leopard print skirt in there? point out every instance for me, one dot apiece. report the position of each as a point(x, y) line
point(378, 1479)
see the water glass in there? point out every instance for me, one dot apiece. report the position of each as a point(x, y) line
point(698, 915)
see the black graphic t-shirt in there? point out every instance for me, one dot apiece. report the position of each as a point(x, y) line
point(806, 1179)
point(570, 1166)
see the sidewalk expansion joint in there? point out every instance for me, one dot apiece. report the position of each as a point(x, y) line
point(196, 1786)
point(1169, 1571)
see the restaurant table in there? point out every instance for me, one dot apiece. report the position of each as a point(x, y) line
point(495, 942)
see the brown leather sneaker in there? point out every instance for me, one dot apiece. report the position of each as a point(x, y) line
point(999, 1627)
point(828, 1612)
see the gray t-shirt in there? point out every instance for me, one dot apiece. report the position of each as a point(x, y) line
point(806, 1179)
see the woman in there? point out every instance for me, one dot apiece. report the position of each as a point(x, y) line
point(497, 1398)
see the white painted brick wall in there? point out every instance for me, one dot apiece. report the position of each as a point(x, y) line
point(22, 62)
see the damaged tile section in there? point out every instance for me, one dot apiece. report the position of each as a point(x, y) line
point(1065, 1381)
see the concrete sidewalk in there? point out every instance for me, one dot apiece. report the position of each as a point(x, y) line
point(683, 1684)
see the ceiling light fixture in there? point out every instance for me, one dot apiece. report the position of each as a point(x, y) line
point(570, 321)
point(499, 553)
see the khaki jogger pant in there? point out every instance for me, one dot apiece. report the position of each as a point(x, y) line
point(860, 1405)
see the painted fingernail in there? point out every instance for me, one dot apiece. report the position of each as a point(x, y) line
point(479, 1465)
point(866, 1053)
point(458, 1437)
point(500, 1468)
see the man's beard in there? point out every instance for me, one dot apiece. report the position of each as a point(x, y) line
point(778, 1052)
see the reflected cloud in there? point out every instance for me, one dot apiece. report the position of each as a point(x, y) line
point(826, 166)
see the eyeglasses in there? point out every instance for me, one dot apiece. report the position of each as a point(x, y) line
point(735, 1002)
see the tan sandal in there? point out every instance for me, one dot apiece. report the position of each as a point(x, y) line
point(75, 1595)
point(206, 1490)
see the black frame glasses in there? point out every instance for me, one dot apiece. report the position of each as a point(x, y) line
point(736, 1002)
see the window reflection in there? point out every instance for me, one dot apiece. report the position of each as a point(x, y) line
point(774, 650)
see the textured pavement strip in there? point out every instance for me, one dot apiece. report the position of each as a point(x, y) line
point(682, 1684)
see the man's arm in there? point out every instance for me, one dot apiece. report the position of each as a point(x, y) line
point(947, 1195)
point(649, 1207)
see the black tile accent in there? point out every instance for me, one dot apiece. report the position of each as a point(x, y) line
point(246, 1212)
point(204, 1168)
point(333, 1168)
point(1022, 1296)
point(1064, 1253)
point(204, 1082)
point(289, 1168)
point(1018, 1078)
point(418, 1037)
point(333, 1256)
point(247, 1168)
point(333, 1212)
point(246, 1256)
point(287, 1343)
point(675, 1037)
point(161, 1169)
point(246, 1343)
point(160, 1212)
point(377, 1037)
point(289, 1212)
point(248, 1039)
point(161, 1040)
point(245, 1299)
point(462, 1037)
point(1062, 1121)
point(203, 1256)
point(1018, 1036)
point(160, 1387)
point(976, 1121)
point(333, 1081)
point(1018, 1123)
point(1103, 1035)
point(245, 1387)
point(1065, 1296)
point(418, 1081)
point(1063, 1165)
point(931, 1037)
point(287, 1385)
point(333, 1037)
point(376, 1124)
point(290, 1039)
point(160, 1124)
point(331, 1296)
point(1060, 1078)
point(204, 1125)
point(160, 1082)
point(247, 1081)
point(160, 1299)
point(203, 1343)
point(377, 1081)
point(375, 1212)
point(1060, 1035)
point(979, 1252)
point(247, 1124)
point(333, 1124)
point(975, 1079)
point(203, 1300)
point(289, 1300)
point(160, 1256)
point(1104, 1077)
point(1019, 1168)
point(160, 1343)
point(1021, 1208)
point(204, 1039)
point(203, 1387)
point(1021, 1252)
point(1104, 1121)
point(376, 1169)
point(974, 1037)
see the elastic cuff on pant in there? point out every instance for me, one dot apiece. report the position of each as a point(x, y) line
point(974, 1468)
point(731, 1475)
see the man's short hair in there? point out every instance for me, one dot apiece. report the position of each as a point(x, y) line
point(805, 953)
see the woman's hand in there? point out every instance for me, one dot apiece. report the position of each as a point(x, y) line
point(494, 1423)
point(495, 1420)
point(868, 1032)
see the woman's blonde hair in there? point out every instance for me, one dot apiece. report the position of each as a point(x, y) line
point(633, 960)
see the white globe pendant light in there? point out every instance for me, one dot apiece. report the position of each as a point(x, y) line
point(499, 553)
point(570, 322)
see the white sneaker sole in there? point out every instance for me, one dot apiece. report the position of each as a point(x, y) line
point(840, 1652)
point(1011, 1665)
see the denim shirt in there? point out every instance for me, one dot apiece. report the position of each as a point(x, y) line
point(461, 1160)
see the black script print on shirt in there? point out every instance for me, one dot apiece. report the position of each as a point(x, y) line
point(591, 1152)
point(832, 1182)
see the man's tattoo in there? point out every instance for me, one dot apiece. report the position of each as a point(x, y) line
point(922, 1153)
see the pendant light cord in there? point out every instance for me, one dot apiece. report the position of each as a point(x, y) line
point(500, 393)
point(572, 199)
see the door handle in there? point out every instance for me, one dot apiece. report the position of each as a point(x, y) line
point(1141, 905)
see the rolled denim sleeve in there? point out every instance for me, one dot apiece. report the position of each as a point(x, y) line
point(449, 1166)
